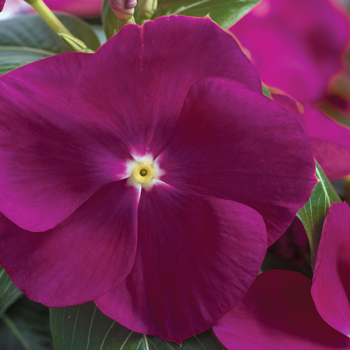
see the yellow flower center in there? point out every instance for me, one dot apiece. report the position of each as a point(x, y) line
point(143, 172)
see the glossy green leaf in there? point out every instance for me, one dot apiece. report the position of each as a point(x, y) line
point(224, 12)
point(26, 326)
point(313, 213)
point(86, 327)
point(31, 31)
point(9, 293)
point(12, 57)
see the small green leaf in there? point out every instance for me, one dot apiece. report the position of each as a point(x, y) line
point(86, 327)
point(26, 326)
point(313, 213)
point(31, 31)
point(224, 12)
point(12, 57)
point(109, 20)
point(9, 293)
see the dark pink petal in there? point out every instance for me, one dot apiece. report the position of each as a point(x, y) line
point(331, 285)
point(2, 4)
point(196, 258)
point(233, 143)
point(82, 8)
point(295, 45)
point(81, 258)
point(278, 313)
point(293, 245)
point(330, 141)
point(50, 160)
point(138, 80)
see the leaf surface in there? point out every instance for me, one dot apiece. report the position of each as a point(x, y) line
point(314, 212)
point(224, 12)
point(85, 327)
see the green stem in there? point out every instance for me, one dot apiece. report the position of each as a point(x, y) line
point(123, 23)
point(55, 24)
point(15, 331)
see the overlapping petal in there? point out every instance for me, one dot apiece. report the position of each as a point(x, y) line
point(50, 160)
point(80, 259)
point(295, 45)
point(278, 313)
point(233, 143)
point(144, 74)
point(196, 258)
point(2, 4)
point(330, 141)
point(331, 286)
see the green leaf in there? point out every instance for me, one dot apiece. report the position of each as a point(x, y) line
point(86, 327)
point(26, 326)
point(9, 293)
point(27, 38)
point(109, 20)
point(224, 12)
point(12, 57)
point(31, 31)
point(313, 213)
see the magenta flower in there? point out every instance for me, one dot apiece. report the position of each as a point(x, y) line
point(330, 141)
point(83, 8)
point(279, 312)
point(144, 177)
point(295, 45)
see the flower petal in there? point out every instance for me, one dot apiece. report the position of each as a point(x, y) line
point(297, 45)
point(2, 4)
point(278, 313)
point(143, 74)
point(83, 257)
point(330, 287)
point(330, 141)
point(50, 160)
point(196, 258)
point(233, 143)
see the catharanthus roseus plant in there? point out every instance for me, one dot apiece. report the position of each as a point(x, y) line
point(148, 177)
point(279, 312)
point(83, 8)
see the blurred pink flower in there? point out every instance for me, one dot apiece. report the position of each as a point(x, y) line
point(296, 45)
point(330, 140)
point(279, 312)
point(82, 8)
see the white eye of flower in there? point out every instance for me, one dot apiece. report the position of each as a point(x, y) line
point(143, 171)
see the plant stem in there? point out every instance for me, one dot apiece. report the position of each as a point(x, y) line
point(55, 24)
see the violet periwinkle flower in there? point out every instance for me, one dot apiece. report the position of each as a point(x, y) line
point(297, 45)
point(83, 8)
point(330, 141)
point(147, 177)
point(279, 312)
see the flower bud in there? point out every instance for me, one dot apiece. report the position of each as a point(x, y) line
point(147, 7)
point(123, 9)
